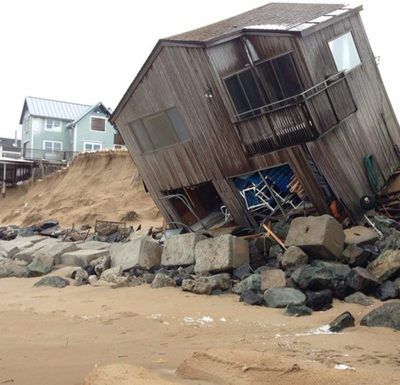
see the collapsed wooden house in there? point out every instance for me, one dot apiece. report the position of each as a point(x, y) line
point(262, 111)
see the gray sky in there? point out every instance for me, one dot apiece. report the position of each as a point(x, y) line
point(85, 51)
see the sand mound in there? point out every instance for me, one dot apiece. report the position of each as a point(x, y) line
point(122, 374)
point(100, 185)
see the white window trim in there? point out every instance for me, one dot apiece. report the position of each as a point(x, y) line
point(92, 143)
point(98, 117)
point(58, 129)
point(52, 142)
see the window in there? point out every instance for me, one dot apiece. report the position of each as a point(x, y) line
point(344, 52)
point(51, 147)
point(271, 80)
point(91, 147)
point(160, 130)
point(97, 124)
point(52, 125)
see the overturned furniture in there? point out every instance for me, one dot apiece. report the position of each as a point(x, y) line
point(213, 112)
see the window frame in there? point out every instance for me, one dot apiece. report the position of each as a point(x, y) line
point(355, 45)
point(53, 128)
point(153, 149)
point(52, 145)
point(98, 117)
point(92, 144)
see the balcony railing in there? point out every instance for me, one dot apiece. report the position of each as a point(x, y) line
point(52, 156)
point(298, 119)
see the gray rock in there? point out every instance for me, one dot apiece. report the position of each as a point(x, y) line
point(92, 279)
point(196, 286)
point(92, 245)
point(206, 285)
point(387, 315)
point(80, 277)
point(272, 278)
point(141, 251)
point(113, 275)
point(219, 254)
point(344, 320)
point(218, 281)
point(397, 283)
point(320, 237)
point(82, 258)
point(251, 298)
point(387, 291)
point(386, 266)
point(281, 297)
point(293, 310)
point(11, 268)
point(41, 265)
point(293, 257)
point(242, 272)
point(52, 281)
point(319, 300)
point(359, 299)
point(28, 253)
point(354, 255)
point(148, 277)
point(136, 281)
point(54, 250)
point(250, 283)
point(360, 279)
point(162, 280)
point(275, 251)
point(100, 264)
point(10, 248)
point(179, 249)
point(360, 235)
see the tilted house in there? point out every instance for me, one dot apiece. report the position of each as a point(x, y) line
point(286, 94)
point(56, 130)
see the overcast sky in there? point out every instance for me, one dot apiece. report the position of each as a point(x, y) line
point(85, 51)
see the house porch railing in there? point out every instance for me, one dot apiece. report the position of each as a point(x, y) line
point(51, 156)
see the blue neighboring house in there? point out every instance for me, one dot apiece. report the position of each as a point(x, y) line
point(56, 130)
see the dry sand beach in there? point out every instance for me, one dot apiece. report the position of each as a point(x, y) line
point(139, 335)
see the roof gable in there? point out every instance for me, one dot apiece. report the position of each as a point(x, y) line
point(98, 106)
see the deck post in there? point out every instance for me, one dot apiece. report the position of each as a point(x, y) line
point(3, 190)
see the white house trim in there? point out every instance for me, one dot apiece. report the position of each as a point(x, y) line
point(58, 129)
point(98, 117)
point(52, 142)
point(75, 134)
point(92, 143)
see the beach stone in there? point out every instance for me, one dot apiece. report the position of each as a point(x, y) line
point(360, 235)
point(92, 279)
point(359, 298)
point(387, 315)
point(272, 278)
point(113, 275)
point(319, 300)
point(55, 250)
point(148, 277)
point(293, 257)
point(354, 255)
point(80, 277)
point(48, 224)
point(242, 272)
point(281, 297)
point(82, 258)
point(220, 281)
point(92, 245)
point(28, 253)
point(386, 266)
point(219, 254)
point(41, 265)
point(253, 282)
point(179, 250)
point(293, 310)
point(141, 251)
point(344, 320)
point(386, 291)
point(162, 280)
point(196, 286)
point(52, 281)
point(275, 251)
point(11, 268)
point(10, 248)
point(100, 264)
point(251, 298)
point(360, 279)
point(320, 237)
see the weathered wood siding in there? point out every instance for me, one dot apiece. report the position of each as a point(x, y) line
point(373, 129)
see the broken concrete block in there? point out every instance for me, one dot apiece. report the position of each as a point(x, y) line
point(9, 248)
point(92, 245)
point(142, 251)
point(179, 250)
point(360, 235)
point(293, 257)
point(54, 250)
point(27, 254)
point(320, 237)
point(225, 252)
point(272, 278)
point(82, 258)
point(386, 266)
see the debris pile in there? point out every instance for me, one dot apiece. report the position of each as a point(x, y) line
point(317, 262)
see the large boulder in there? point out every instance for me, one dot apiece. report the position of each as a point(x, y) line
point(344, 320)
point(281, 297)
point(41, 265)
point(251, 298)
point(253, 282)
point(53, 281)
point(219, 254)
point(206, 285)
point(354, 255)
point(272, 278)
point(82, 258)
point(320, 237)
point(28, 253)
point(386, 266)
point(55, 250)
point(386, 291)
point(319, 300)
point(387, 315)
point(113, 275)
point(179, 249)
point(10, 268)
point(10, 248)
point(196, 286)
point(359, 299)
point(360, 279)
point(321, 275)
point(141, 251)
point(293, 310)
point(293, 257)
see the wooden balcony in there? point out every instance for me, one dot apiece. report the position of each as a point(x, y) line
point(298, 119)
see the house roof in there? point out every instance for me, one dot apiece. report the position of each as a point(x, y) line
point(9, 144)
point(48, 108)
point(89, 110)
point(272, 16)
